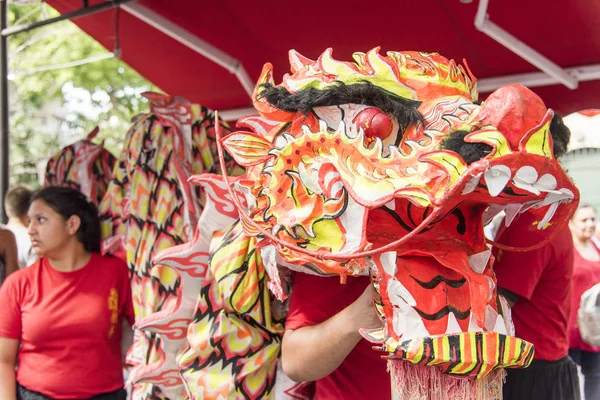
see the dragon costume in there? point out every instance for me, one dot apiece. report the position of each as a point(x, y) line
point(150, 207)
point(386, 166)
point(83, 166)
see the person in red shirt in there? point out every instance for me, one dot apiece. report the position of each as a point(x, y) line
point(585, 275)
point(537, 284)
point(61, 318)
point(322, 343)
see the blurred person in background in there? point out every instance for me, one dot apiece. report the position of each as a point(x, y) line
point(586, 273)
point(8, 254)
point(537, 286)
point(16, 204)
point(61, 318)
point(596, 237)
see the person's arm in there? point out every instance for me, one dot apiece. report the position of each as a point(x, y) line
point(8, 362)
point(313, 352)
point(9, 252)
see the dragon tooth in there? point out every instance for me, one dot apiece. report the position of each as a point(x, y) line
point(398, 294)
point(525, 179)
point(512, 210)
point(557, 196)
point(453, 326)
point(491, 286)
point(567, 193)
point(479, 261)
point(341, 130)
point(395, 154)
point(506, 312)
point(531, 204)
point(496, 179)
point(352, 134)
point(385, 152)
point(546, 183)
point(323, 126)
point(548, 216)
point(388, 262)
point(377, 147)
point(491, 212)
point(499, 326)
point(391, 205)
point(408, 323)
point(360, 138)
point(306, 130)
point(473, 326)
point(472, 184)
point(490, 318)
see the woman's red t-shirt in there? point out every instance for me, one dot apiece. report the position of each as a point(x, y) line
point(586, 274)
point(69, 325)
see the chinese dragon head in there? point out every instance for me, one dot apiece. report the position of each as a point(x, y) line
point(386, 166)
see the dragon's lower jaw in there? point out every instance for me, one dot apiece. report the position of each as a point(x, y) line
point(467, 354)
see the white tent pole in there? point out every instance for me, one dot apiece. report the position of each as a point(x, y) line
point(483, 23)
point(537, 79)
point(192, 41)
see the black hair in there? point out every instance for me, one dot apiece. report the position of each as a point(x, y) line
point(470, 152)
point(68, 202)
point(404, 110)
point(560, 136)
point(17, 201)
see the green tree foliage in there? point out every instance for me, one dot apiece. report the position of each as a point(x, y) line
point(46, 79)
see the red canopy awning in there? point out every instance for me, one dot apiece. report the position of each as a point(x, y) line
point(259, 31)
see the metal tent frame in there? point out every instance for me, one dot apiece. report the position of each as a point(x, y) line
point(5, 33)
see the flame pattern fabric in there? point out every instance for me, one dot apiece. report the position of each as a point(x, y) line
point(83, 166)
point(149, 207)
point(392, 172)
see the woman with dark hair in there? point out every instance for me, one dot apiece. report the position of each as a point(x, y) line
point(61, 318)
point(586, 273)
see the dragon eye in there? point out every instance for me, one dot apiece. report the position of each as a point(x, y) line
point(374, 122)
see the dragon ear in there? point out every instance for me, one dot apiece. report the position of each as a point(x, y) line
point(538, 140)
point(248, 149)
